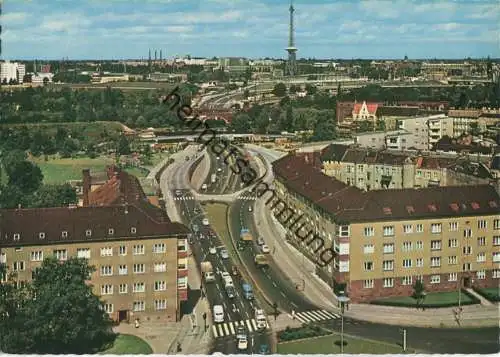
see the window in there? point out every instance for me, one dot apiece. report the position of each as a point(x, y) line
point(481, 224)
point(467, 250)
point(419, 245)
point(133, 230)
point(388, 248)
point(17, 236)
point(452, 243)
point(111, 231)
point(452, 277)
point(41, 235)
point(420, 262)
point(37, 256)
point(435, 279)
point(106, 252)
point(407, 246)
point(388, 265)
point(481, 257)
point(435, 245)
point(408, 228)
point(122, 269)
point(160, 267)
point(64, 234)
point(419, 228)
point(467, 267)
point(123, 288)
point(496, 224)
point(407, 263)
point(160, 286)
point(481, 241)
point(18, 266)
point(159, 248)
point(496, 274)
point(496, 257)
point(406, 280)
point(160, 304)
point(122, 250)
point(388, 231)
point(452, 260)
point(481, 274)
point(108, 308)
point(106, 270)
point(138, 249)
point(388, 282)
point(61, 254)
point(139, 268)
point(368, 249)
point(435, 262)
point(467, 233)
point(139, 306)
point(3, 258)
point(83, 253)
point(369, 231)
point(453, 226)
point(139, 288)
point(343, 231)
point(107, 289)
point(368, 284)
point(496, 240)
point(88, 233)
point(368, 266)
point(436, 228)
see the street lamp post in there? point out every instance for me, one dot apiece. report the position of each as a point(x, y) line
point(343, 300)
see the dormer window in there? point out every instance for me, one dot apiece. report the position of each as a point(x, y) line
point(64, 234)
point(88, 233)
point(41, 235)
point(111, 231)
point(17, 236)
point(133, 230)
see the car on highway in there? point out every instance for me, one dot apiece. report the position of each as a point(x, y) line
point(196, 210)
point(261, 241)
point(228, 281)
point(242, 343)
point(212, 250)
point(250, 209)
point(264, 350)
point(231, 293)
point(178, 193)
point(224, 254)
point(218, 313)
point(219, 169)
point(218, 157)
point(204, 186)
point(265, 248)
point(205, 222)
point(235, 271)
point(241, 332)
point(247, 291)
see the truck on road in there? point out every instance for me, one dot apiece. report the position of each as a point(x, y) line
point(261, 260)
point(207, 271)
point(246, 236)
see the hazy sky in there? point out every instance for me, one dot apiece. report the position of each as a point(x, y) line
point(251, 28)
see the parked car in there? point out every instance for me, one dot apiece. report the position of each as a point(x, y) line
point(264, 350)
point(224, 254)
point(265, 249)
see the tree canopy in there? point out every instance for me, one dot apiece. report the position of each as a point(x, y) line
point(56, 313)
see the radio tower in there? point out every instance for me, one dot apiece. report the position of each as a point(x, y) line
point(291, 65)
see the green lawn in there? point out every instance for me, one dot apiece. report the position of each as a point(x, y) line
point(327, 345)
point(137, 172)
point(129, 344)
point(56, 171)
point(490, 292)
point(441, 298)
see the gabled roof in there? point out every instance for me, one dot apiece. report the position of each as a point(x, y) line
point(348, 204)
point(371, 107)
point(333, 152)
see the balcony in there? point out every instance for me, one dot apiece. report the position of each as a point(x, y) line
point(182, 267)
point(182, 291)
point(182, 248)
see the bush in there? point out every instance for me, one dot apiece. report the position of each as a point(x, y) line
point(473, 301)
point(486, 294)
point(307, 331)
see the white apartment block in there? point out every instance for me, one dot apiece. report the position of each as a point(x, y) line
point(12, 71)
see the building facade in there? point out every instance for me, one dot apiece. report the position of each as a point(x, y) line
point(385, 240)
point(12, 71)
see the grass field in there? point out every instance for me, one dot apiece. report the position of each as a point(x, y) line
point(490, 292)
point(327, 345)
point(443, 298)
point(86, 129)
point(129, 345)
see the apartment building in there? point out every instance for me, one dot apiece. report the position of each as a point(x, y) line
point(12, 71)
point(385, 240)
point(140, 256)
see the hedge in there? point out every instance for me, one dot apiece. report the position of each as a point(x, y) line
point(474, 300)
point(486, 294)
point(307, 331)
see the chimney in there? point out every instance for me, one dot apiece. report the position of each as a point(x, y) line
point(86, 186)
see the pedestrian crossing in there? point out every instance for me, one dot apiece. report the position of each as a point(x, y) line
point(247, 198)
point(315, 315)
point(184, 198)
point(230, 328)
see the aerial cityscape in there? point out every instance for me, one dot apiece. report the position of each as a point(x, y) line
point(249, 177)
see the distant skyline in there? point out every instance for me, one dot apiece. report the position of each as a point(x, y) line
point(116, 29)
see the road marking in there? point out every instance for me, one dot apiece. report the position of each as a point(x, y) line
point(300, 318)
point(249, 325)
point(282, 294)
point(226, 330)
point(221, 333)
point(214, 330)
point(317, 315)
point(274, 284)
point(232, 328)
point(331, 314)
point(323, 315)
point(254, 323)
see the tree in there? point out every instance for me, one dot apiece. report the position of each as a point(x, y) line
point(53, 196)
point(311, 90)
point(64, 318)
point(123, 146)
point(279, 90)
point(418, 292)
point(26, 176)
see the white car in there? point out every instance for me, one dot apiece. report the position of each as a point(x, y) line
point(242, 343)
point(205, 222)
point(265, 248)
point(219, 170)
point(212, 250)
point(250, 209)
point(204, 186)
point(218, 313)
